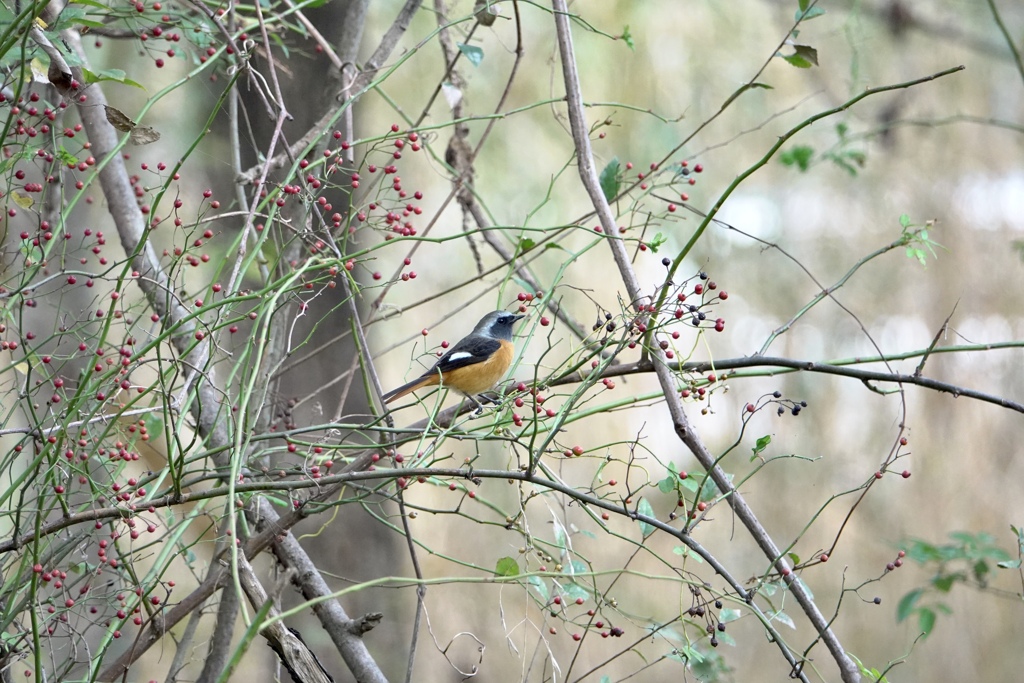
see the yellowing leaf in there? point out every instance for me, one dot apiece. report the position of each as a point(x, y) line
point(22, 199)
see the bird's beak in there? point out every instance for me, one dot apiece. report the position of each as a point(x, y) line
point(519, 317)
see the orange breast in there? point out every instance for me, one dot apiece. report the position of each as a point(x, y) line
point(480, 377)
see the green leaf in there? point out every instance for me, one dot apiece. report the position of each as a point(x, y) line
point(70, 15)
point(574, 591)
point(921, 552)
point(656, 242)
point(1010, 564)
point(90, 23)
point(627, 38)
point(474, 54)
point(687, 655)
point(686, 552)
point(542, 588)
point(610, 179)
point(709, 490)
point(761, 444)
point(926, 620)
point(873, 674)
point(668, 484)
point(798, 61)
point(526, 244)
point(109, 75)
point(66, 157)
point(784, 619)
point(559, 535)
point(507, 566)
point(843, 164)
point(154, 424)
point(808, 14)
point(945, 583)
point(907, 604)
point(904, 220)
point(804, 4)
point(644, 508)
point(799, 156)
point(725, 639)
point(728, 614)
point(794, 558)
point(918, 254)
point(803, 57)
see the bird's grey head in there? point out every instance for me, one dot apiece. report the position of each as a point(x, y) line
point(498, 324)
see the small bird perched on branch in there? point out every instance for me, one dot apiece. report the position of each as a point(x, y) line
point(475, 364)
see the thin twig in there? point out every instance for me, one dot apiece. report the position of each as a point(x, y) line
point(1018, 60)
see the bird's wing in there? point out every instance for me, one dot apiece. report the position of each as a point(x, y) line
point(469, 351)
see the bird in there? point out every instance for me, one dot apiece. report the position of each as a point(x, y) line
point(475, 364)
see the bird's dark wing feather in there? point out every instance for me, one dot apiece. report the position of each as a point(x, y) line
point(469, 351)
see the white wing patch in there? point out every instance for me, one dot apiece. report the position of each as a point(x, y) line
point(460, 355)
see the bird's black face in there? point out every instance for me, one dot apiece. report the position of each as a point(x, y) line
point(508, 319)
